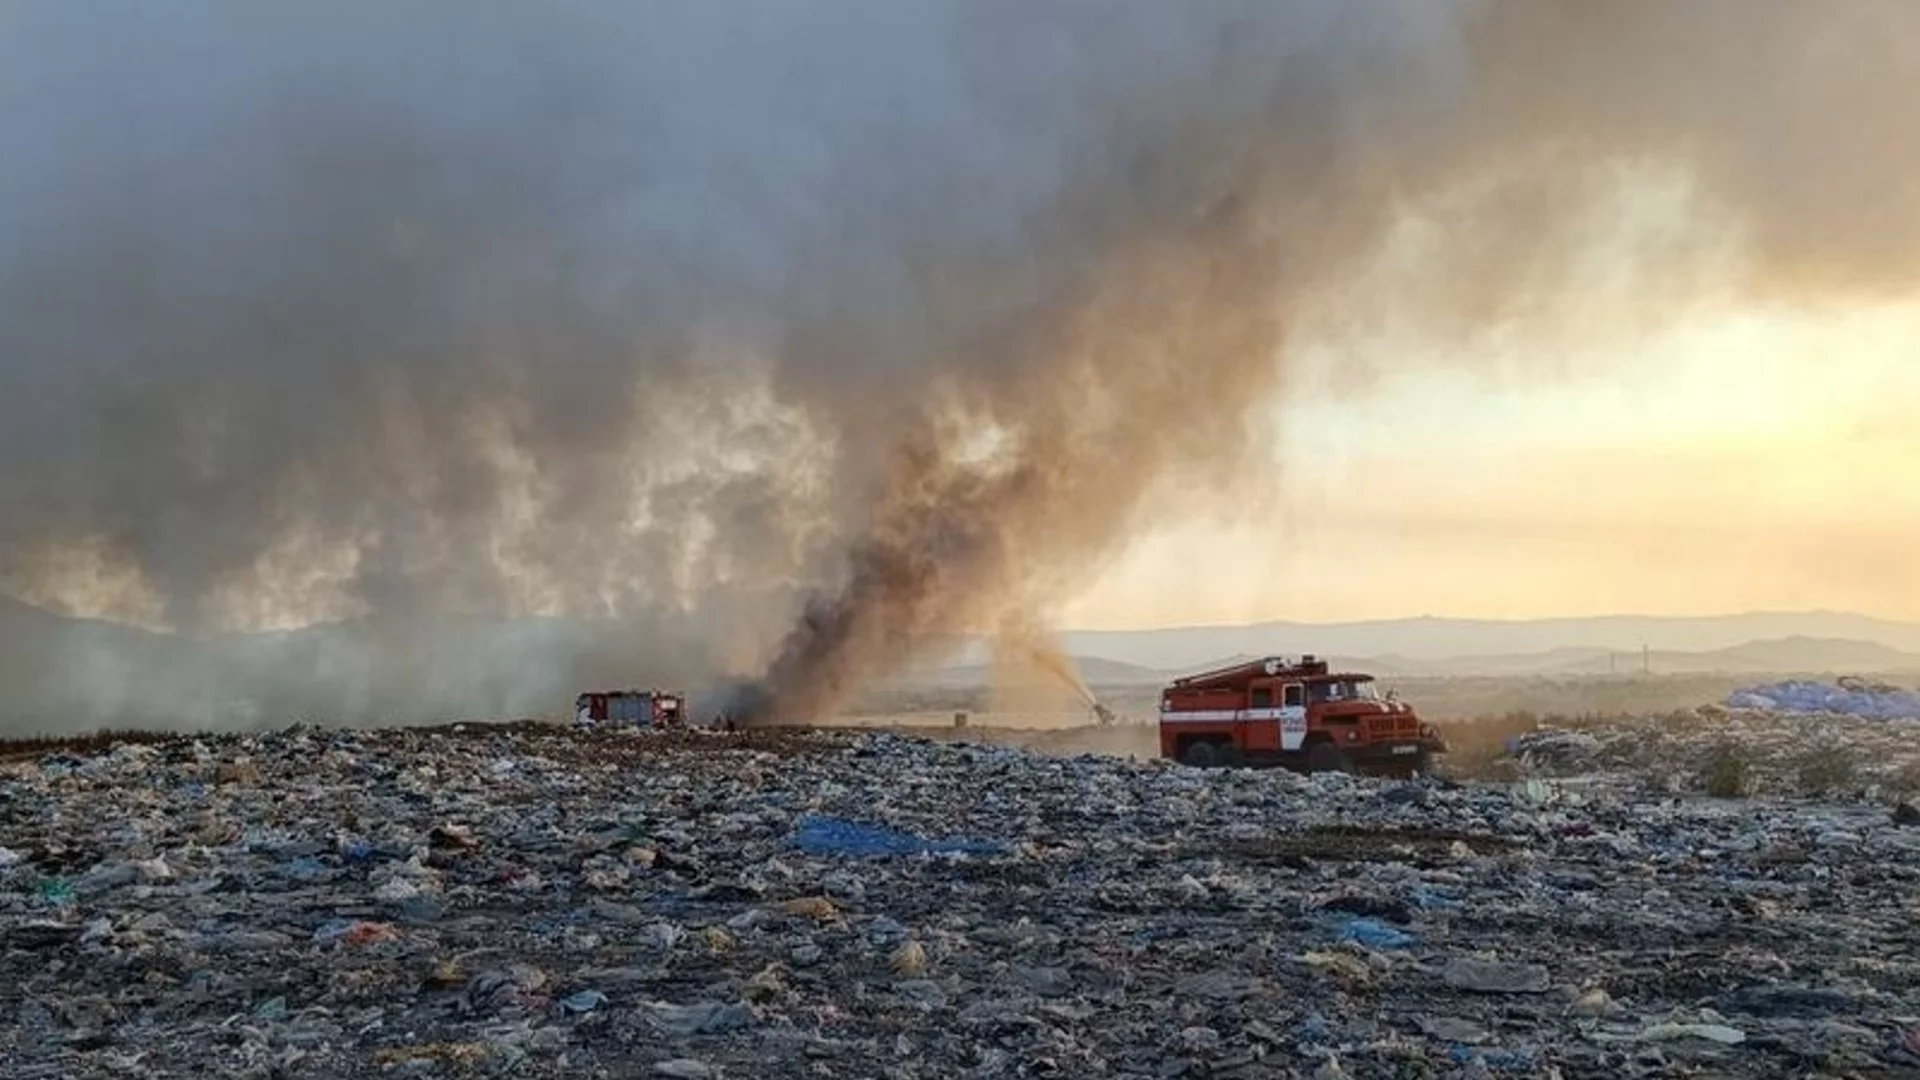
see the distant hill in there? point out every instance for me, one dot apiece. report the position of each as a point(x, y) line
point(1425, 640)
point(1797, 655)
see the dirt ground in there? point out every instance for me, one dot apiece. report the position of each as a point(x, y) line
point(1065, 734)
point(1476, 714)
point(1438, 699)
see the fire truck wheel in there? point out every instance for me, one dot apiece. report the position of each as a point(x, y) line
point(1202, 755)
point(1326, 757)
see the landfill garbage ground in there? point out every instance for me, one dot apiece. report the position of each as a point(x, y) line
point(537, 901)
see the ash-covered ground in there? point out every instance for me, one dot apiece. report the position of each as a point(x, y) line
point(538, 902)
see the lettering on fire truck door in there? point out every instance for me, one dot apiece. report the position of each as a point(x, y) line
point(1293, 716)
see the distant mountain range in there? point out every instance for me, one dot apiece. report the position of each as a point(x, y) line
point(1758, 658)
point(1752, 644)
point(1577, 641)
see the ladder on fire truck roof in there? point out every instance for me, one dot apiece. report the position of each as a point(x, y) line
point(1250, 669)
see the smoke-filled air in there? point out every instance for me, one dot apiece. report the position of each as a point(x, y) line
point(406, 361)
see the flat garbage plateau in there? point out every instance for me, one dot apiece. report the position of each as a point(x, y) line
point(531, 902)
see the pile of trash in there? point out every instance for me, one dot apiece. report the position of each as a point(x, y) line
point(1555, 749)
point(1849, 696)
point(1782, 754)
point(492, 902)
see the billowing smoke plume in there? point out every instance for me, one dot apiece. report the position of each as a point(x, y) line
point(671, 321)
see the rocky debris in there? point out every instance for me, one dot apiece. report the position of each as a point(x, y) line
point(520, 901)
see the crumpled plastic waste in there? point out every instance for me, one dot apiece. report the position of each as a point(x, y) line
point(1492, 977)
point(1719, 1033)
point(1554, 747)
point(835, 836)
point(704, 1018)
point(1779, 753)
point(1495, 1060)
point(1376, 935)
point(516, 901)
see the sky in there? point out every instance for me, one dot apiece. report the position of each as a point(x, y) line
point(1587, 309)
point(1734, 460)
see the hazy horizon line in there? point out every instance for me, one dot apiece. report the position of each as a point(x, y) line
point(1275, 620)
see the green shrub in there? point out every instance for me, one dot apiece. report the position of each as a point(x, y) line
point(1728, 773)
point(1905, 780)
point(1827, 770)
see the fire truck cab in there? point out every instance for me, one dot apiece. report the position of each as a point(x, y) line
point(636, 708)
point(1294, 714)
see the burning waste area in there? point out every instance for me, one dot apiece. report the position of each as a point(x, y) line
point(536, 900)
point(386, 365)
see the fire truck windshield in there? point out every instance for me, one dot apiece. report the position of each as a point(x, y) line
point(1345, 690)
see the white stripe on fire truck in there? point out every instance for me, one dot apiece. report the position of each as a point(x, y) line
point(1217, 715)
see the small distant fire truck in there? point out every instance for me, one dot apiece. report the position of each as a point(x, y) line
point(1296, 714)
point(635, 708)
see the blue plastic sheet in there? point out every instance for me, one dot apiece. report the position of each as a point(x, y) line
point(837, 836)
point(1803, 696)
point(1375, 934)
point(1497, 1060)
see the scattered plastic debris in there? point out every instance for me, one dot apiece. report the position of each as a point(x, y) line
point(1718, 1033)
point(1848, 697)
point(1554, 747)
point(1490, 977)
point(1756, 752)
point(1495, 1060)
point(833, 836)
point(1376, 935)
point(513, 901)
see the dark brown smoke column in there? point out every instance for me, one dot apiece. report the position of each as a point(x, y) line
point(1141, 384)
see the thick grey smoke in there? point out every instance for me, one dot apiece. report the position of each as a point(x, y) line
point(669, 322)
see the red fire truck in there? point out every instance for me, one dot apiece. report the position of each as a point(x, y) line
point(639, 708)
point(1296, 714)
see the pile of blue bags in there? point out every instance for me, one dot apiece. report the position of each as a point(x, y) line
point(1849, 698)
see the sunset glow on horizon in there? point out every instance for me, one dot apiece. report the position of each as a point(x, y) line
point(1749, 462)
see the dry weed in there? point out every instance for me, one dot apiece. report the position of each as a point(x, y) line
point(1728, 773)
point(1827, 770)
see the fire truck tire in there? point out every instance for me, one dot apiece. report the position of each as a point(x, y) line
point(1326, 757)
point(1201, 754)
